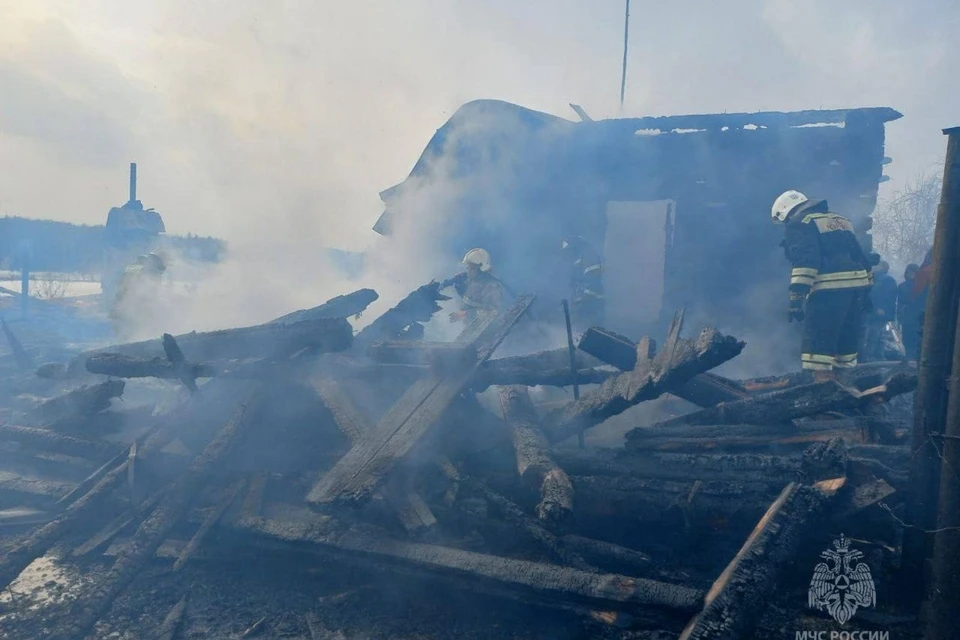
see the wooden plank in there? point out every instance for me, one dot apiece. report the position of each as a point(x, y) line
point(52, 441)
point(735, 601)
point(83, 401)
point(346, 306)
point(229, 495)
point(355, 477)
point(678, 362)
point(554, 584)
point(413, 512)
point(704, 390)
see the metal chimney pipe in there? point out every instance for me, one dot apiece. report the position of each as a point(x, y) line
point(133, 181)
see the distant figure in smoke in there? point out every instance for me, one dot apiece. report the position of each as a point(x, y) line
point(586, 282)
point(909, 310)
point(480, 292)
point(921, 288)
point(883, 303)
point(829, 282)
point(137, 292)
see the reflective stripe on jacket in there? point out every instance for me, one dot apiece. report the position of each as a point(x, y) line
point(825, 254)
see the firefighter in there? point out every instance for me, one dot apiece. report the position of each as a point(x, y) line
point(586, 282)
point(883, 303)
point(480, 292)
point(136, 292)
point(829, 283)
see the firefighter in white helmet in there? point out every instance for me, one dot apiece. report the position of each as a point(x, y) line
point(137, 294)
point(829, 282)
point(480, 292)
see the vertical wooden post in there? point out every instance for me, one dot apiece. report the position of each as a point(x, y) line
point(573, 363)
point(941, 622)
point(930, 403)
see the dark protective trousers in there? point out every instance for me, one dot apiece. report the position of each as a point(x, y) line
point(831, 329)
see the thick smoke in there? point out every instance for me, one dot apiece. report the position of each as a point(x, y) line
point(275, 125)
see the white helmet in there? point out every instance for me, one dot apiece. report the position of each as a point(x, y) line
point(479, 257)
point(785, 203)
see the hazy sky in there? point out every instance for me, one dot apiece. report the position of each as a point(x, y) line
point(281, 121)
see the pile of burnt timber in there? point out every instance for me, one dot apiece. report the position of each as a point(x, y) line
point(374, 453)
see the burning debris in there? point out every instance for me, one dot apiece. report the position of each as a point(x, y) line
point(378, 476)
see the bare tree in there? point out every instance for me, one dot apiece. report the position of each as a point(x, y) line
point(903, 226)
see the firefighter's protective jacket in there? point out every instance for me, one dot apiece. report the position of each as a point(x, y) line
point(587, 275)
point(825, 254)
point(483, 293)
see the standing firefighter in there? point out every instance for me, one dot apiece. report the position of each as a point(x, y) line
point(480, 292)
point(829, 283)
point(136, 293)
point(586, 281)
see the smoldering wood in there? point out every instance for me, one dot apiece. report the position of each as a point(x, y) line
point(419, 352)
point(121, 366)
point(534, 464)
point(419, 306)
point(684, 467)
point(175, 502)
point(678, 362)
point(363, 468)
point(209, 522)
point(184, 369)
point(513, 514)
point(772, 440)
point(704, 390)
point(115, 527)
point(83, 401)
point(22, 358)
point(33, 489)
point(349, 305)
point(779, 407)
point(608, 555)
point(410, 508)
point(735, 602)
point(46, 440)
point(545, 368)
point(552, 584)
point(863, 496)
point(324, 334)
point(173, 621)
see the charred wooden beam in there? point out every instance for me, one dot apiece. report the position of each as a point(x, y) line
point(704, 390)
point(419, 352)
point(552, 584)
point(175, 502)
point(173, 621)
point(735, 601)
point(346, 306)
point(546, 368)
point(413, 512)
point(84, 401)
point(419, 306)
point(678, 362)
point(209, 522)
point(647, 440)
point(113, 528)
point(47, 440)
point(121, 366)
point(325, 334)
point(608, 555)
point(185, 370)
point(534, 464)
point(363, 468)
point(780, 407)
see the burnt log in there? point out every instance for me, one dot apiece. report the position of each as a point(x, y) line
point(173, 621)
point(121, 366)
point(678, 362)
point(84, 401)
point(358, 473)
point(741, 437)
point(209, 522)
point(46, 440)
point(549, 584)
point(349, 305)
point(703, 390)
point(174, 504)
point(398, 322)
point(545, 368)
point(325, 334)
point(780, 407)
point(534, 464)
point(608, 555)
point(413, 512)
point(736, 600)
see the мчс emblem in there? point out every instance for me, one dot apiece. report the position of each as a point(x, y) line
point(842, 584)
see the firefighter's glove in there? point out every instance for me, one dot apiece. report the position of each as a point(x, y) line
point(795, 311)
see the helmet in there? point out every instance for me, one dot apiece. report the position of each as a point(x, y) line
point(479, 257)
point(155, 262)
point(786, 203)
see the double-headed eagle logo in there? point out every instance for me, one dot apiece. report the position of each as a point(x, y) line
point(842, 584)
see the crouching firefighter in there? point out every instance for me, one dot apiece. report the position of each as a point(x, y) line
point(480, 292)
point(829, 283)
